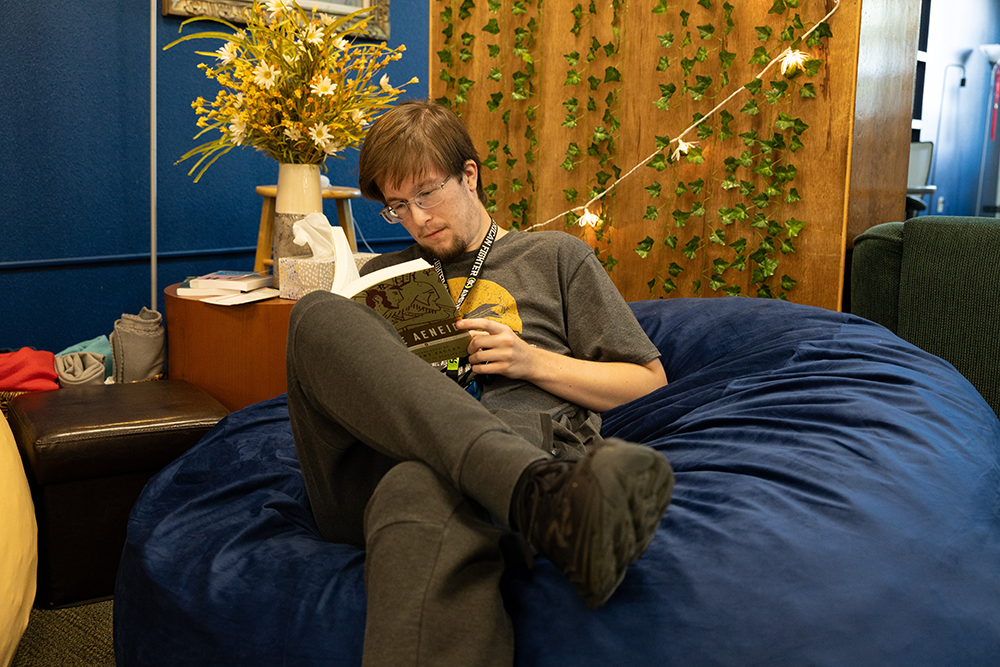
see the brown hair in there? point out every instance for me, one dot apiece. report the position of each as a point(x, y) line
point(410, 139)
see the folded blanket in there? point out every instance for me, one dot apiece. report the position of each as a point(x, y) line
point(100, 345)
point(28, 370)
point(137, 344)
point(80, 368)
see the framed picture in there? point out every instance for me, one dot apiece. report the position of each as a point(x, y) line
point(232, 10)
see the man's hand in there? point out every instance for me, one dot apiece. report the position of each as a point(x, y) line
point(599, 386)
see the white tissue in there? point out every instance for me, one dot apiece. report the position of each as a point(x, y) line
point(315, 231)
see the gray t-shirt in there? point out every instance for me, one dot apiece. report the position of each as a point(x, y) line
point(551, 290)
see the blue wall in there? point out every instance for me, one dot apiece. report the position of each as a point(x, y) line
point(955, 26)
point(74, 167)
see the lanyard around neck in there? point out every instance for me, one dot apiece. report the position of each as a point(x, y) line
point(477, 266)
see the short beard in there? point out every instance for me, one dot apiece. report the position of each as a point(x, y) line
point(449, 254)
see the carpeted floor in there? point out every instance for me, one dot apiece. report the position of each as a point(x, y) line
point(74, 637)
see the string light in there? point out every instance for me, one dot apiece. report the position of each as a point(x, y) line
point(792, 60)
point(682, 149)
point(793, 57)
point(589, 218)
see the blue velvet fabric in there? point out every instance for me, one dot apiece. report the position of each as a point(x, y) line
point(837, 502)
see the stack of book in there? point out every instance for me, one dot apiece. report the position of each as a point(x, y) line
point(228, 288)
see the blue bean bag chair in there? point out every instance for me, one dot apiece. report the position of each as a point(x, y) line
point(837, 502)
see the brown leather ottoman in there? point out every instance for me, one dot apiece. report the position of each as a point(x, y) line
point(88, 452)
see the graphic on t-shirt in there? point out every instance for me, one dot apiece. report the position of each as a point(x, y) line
point(490, 300)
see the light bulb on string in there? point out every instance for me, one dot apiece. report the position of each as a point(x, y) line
point(792, 60)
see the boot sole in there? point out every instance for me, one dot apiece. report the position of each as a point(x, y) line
point(635, 483)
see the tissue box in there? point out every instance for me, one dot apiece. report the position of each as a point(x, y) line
point(300, 275)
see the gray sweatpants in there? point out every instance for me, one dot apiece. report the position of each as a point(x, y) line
point(361, 403)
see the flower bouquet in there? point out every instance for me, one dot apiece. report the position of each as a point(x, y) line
point(295, 85)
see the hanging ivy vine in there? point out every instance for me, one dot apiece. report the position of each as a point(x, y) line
point(725, 203)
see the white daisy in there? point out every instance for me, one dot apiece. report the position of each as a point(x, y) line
point(314, 34)
point(333, 147)
point(227, 53)
point(358, 117)
point(237, 131)
point(275, 7)
point(324, 86)
point(320, 134)
point(265, 75)
point(341, 43)
point(293, 133)
point(384, 84)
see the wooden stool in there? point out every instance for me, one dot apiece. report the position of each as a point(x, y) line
point(343, 195)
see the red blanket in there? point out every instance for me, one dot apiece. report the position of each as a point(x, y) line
point(28, 370)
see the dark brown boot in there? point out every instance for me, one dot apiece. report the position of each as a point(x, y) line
point(594, 516)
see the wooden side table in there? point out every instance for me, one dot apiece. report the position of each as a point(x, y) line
point(342, 194)
point(235, 353)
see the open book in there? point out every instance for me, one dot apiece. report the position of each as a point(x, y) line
point(412, 298)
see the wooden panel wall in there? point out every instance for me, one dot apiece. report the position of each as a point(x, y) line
point(841, 193)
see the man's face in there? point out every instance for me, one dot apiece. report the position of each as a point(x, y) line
point(450, 228)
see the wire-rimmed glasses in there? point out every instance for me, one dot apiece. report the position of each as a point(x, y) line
point(400, 211)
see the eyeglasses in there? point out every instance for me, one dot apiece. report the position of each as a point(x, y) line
point(400, 211)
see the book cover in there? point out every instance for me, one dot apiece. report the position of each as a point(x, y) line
point(232, 280)
point(415, 301)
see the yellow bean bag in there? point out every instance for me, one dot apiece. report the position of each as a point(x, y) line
point(18, 547)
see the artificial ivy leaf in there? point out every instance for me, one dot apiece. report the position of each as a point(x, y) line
point(609, 49)
point(494, 74)
point(705, 131)
point(659, 162)
point(600, 134)
point(661, 7)
point(687, 64)
point(505, 117)
point(669, 286)
point(760, 56)
point(652, 213)
point(675, 269)
point(492, 27)
point(569, 121)
point(571, 104)
point(651, 284)
point(716, 283)
point(754, 86)
point(761, 200)
point(811, 66)
point(788, 34)
point(494, 102)
point(730, 182)
point(661, 142)
point(684, 17)
point(695, 156)
point(707, 4)
point(750, 108)
point(696, 284)
point(726, 58)
point(494, 50)
point(792, 196)
point(746, 159)
point(653, 189)
point(698, 209)
point(593, 81)
point(572, 78)
point(444, 55)
point(731, 164)
point(787, 282)
point(687, 39)
point(680, 189)
point(795, 143)
point(662, 64)
point(718, 236)
point(719, 266)
point(697, 186)
point(739, 245)
point(492, 145)
point(612, 74)
point(530, 112)
point(759, 221)
point(794, 226)
point(763, 33)
point(573, 149)
point(516, 185)
point(777, 7)
point(680, 217)
point(787, 247)
point(490, 189)
point(670, 242)
point(465, 55)
point(519, 8)
point(746, 189)
point(749, 137)
point(666, 40)
point(772, 191)
point(644, 246)
point(610, 263)
point(822, 30)
point(807, 90)
point(602, 177)
point(706, 31)
point(765, 168)
point(786, 173)
point(691, 248)
point(572, 58)
point(491, 161)
point(701, 55)
point(766, 268)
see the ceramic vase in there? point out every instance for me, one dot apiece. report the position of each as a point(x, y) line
point(299, 194)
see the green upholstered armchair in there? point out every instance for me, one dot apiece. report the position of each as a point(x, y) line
point(935, 282)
